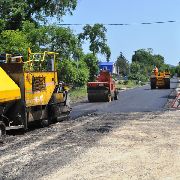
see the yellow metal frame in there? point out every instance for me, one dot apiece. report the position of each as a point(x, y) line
point(42, 59)
point(10, 58)
point(41, 97)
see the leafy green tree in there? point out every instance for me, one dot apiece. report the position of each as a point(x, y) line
point(82, 73)
point(63, 40)
point(172, 71)
point(92, 64)
point(53, 38)
point(122, 65)
point(67, 72)
point(76, 73)
point(158, 60)
point(146, 57)
point(177, 70)
point(135, 67)
point(97, 37)
point(143, 56)
point(38, 37)
point(14, 42)
point(164, 67)
point(2, 25)
point(147, 60)
point(14, 12)
point(135, 73)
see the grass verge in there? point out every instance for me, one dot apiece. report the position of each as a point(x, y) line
point(128, 84)
point(78, 94)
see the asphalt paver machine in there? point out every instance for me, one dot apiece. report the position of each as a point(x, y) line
point(30, 91)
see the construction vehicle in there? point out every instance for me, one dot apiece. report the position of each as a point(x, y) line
point(160, 80)
point(30, 91)
point(103, 89)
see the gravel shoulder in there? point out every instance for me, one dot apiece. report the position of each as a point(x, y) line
point(142, 146)
point(98, 146)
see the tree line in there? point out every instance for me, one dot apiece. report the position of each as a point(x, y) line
point(24, 23)
point(143, 62)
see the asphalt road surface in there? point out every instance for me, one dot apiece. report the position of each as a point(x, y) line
point(112, 143)
point(141, 99)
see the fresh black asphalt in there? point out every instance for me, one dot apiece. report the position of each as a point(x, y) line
point(141, 99)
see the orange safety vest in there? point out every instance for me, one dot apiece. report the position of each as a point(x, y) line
point(155, 71)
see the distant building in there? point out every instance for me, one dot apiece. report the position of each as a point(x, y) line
point(109, 66)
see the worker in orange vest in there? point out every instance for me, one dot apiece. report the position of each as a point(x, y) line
point(155, 70)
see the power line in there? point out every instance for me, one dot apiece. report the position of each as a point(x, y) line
point(121, 24)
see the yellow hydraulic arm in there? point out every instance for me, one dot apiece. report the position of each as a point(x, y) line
point(9, 90)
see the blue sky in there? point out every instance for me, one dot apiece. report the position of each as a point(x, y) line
point(164, 39)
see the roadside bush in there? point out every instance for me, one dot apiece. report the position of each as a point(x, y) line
point(73, 73)
point(92, 64)
point(82, 74)
point(125, 82)
point(66, 71)
point(138, 77)
point(121, 82)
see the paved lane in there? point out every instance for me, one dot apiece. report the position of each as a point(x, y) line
point(141, 99)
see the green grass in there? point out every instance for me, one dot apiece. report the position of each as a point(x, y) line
point(78, 94)
point(126, 84)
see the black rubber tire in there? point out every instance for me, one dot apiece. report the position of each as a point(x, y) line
point(167, 83)
point(90, 99)
point(153, 83)
point(68, 100)
point(45, 123)
point(115, 95)
point(2, 132)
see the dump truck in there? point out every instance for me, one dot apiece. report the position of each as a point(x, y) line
point(30, 91)
point(160, 80)
point(103, 89)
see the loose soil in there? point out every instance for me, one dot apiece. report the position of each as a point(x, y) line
point(97, 146)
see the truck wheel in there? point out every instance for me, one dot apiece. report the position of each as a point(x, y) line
point(2, 132)
point(115, 96)
point(90, 99)
point(167, 83)
point(67, 99)
point(153, 83)
point(45, 122)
